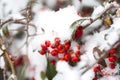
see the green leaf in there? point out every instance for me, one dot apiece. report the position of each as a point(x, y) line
point(73, 33)
point(51, 72)
point(73, 25)
point(43, 75)
point(21, 72)
point(118, 12)
point(118, 50)
point(100, 17)
point(118, 63)
point(6, 32)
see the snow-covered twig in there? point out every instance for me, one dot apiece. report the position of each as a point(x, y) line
point(104, 54)
point(7, 58)
point(101, 14)
point(17, 21)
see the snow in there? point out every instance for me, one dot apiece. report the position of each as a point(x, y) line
point(13, 6)
point(97, 40)
point(66, 71)
point(91, 3)
point(57, 24)
point(2, 63)
point(13, 77)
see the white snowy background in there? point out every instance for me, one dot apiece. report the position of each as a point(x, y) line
point(57, 24)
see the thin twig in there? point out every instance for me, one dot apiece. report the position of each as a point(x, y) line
point(93, 20)
point(104, 54)
point(6, 56)
point(28, 16)
point(17, 21)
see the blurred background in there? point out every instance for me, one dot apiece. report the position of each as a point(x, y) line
point(16, 9)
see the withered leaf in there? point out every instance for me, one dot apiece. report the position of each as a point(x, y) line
point(101, 61)
point(118, 12)
point(108, 21)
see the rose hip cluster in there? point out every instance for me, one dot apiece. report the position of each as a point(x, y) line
point(61, 50)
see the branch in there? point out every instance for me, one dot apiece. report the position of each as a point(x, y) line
point(6, 56)
point(104, 11)
point(104, 54)
point(101, 14)
point(17, 21)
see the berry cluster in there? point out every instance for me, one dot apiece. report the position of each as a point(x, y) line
point(112, 58)
point(97, 69)
point(60, 50)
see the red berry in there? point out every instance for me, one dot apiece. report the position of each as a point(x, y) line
point(18, 61)
point(53, 46)
point(60, 46)
point(112, 66)
point(66, 47)
point(95, 78)
point(32, 78)
point(112, 51)
point(66, 56)
point(112, 58)
point(85, 11)
point(75, 59)
point(67, 42)
point(118, 59)
point(42, 52)
point(78, 47)
point(71, 51)
point(54, 52)
point(96, 68)
point(53, 62)
point(12, 58)
point(78, 33)
point(57, 41)
point(47, 43)
point(61, 51)
point(59, 3)
point(44, 47)
point(79, 14)
point(61, 59)
point(77, 53)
